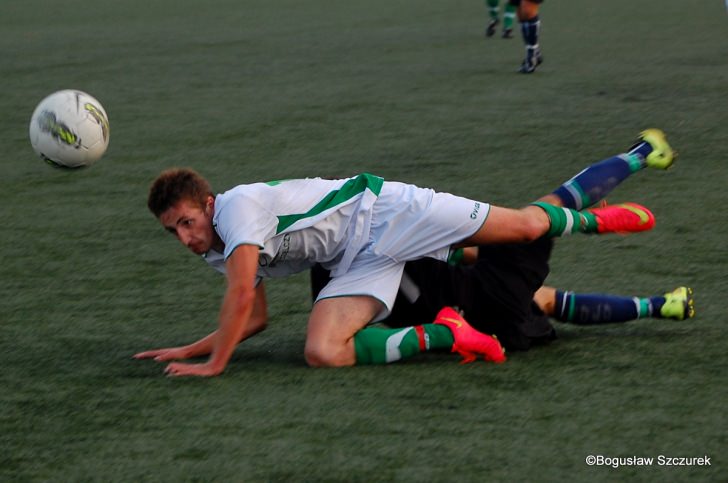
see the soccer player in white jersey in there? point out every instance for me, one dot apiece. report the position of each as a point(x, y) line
point(363, 229)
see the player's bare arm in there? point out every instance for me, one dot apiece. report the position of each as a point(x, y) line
point(236, 314)
point(203, 347)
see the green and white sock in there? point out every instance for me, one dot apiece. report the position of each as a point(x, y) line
point(509, 15)
point(378, 345)
point(565, 221)
point(493, 8)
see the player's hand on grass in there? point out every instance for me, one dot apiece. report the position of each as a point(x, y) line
point(161, 355)
point(177, 369)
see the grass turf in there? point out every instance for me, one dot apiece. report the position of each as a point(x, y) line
point(409, 90)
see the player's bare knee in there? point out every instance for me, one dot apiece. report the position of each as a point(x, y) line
point(312, 358)
point(536, 229)
point(527, 229)
point(534, 224)
point(322, 357)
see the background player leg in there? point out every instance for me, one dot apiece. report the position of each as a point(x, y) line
point(494, 14)
point(591, 185)
point(596, 181)
point(530, 30)
point(509, 16)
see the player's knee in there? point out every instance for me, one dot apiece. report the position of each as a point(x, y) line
point(313, 357)
point(529, 228)
point(321, 356)
point(535, 229)
point(534, 224)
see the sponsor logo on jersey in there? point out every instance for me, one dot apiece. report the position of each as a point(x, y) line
point(281, 255)
point(476, 209)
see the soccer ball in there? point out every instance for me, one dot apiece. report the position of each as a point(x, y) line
point(69, 129)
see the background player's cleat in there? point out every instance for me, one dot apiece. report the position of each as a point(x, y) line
point(490, 29)
point(527, 68)
point(623, 218)
point(507, 33)
point(531, 62)
point(679, 304)
point(662, 155)
point(469, 342)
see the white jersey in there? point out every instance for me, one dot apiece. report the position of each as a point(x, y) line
point(362, 229)
point(296, 223)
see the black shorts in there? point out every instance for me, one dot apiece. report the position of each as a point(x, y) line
point(495, 294)
point(502, 286)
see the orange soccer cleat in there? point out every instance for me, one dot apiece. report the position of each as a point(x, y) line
point(470, 343)
point(623, 218)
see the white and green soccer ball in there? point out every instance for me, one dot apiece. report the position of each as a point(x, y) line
point(70, 129)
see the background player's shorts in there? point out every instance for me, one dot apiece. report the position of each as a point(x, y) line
point(495, 294)
point(407, 223)
point(499, 297)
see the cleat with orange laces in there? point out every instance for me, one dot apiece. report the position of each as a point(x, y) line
point(469, 343)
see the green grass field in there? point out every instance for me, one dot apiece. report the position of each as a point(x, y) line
point(410, 90)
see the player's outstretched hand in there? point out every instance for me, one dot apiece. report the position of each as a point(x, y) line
point(161, 355)
point(177, 369)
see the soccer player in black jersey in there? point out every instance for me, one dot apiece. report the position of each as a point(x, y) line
point(499, 289)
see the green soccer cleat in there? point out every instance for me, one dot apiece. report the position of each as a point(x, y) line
point(679, 304)
point(662, 155)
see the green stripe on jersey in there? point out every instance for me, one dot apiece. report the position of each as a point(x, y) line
point(348, 190)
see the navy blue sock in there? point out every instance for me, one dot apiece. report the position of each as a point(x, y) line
point(529, 30)
point(598, 180)
point(657, 302)
point(589, 309)
point(641, 149)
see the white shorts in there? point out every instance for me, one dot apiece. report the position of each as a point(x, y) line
point(407, 223)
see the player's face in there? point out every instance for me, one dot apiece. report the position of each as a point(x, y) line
point(191, 224)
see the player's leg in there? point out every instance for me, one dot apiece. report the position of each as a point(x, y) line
point(332, 325)
point(494, 13)
point(346, 304)
point(595, 182)
point(510, 225)
point(562, 207)
point(530, 30)
point(448, 332)
point(371, 345)
point(337, 333)
point(585, 309)
point(507, 225)
point(509, 16)
point(337, 336)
